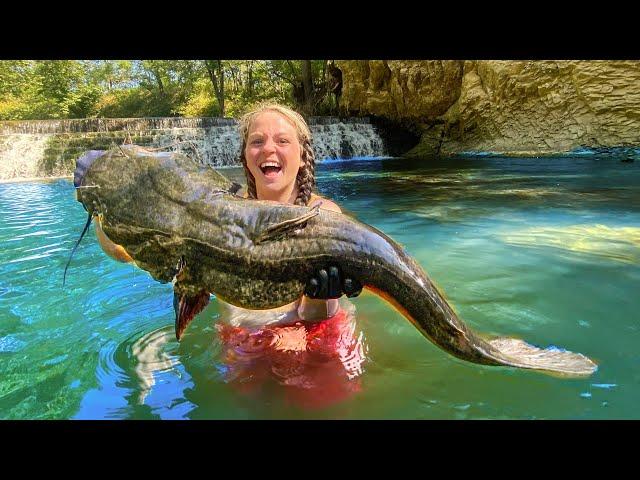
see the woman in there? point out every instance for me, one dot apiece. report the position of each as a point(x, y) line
point(279, 165)
point(310, 343)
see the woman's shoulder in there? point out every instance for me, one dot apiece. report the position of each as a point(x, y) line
point(326, 204)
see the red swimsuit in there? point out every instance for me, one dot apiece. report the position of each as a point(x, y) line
point(318, 363)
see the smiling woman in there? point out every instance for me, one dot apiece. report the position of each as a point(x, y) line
point(277, 156)
point(274, 155)
point(279, 165)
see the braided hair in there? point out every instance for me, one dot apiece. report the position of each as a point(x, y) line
point(306, 178)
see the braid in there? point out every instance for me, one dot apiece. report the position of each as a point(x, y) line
point(251, 182)
point(306, 178)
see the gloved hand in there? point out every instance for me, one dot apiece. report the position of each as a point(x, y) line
point(330, 283)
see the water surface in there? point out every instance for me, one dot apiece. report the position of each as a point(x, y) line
point(547, 250)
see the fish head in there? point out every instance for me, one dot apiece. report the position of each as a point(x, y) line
point(83, 164)
point(101, 178)
point(93, 178)
point(139, 196)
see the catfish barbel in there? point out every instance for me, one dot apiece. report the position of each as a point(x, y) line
point(184, 223)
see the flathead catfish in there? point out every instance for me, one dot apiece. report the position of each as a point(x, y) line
point(184, 223)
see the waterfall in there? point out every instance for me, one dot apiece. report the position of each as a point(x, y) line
point(220, 146)
point(215, 146)
point(50, 147)
point(21, 154)
point(346, 140)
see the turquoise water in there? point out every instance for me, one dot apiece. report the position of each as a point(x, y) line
point(547, 250)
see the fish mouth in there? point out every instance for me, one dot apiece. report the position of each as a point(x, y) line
point(83, 164)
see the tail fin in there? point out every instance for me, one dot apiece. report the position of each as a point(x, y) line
point(553, 360)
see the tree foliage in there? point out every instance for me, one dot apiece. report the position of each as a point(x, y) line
point(49, 89)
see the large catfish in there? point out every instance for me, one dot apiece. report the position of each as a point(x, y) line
point(183, 222)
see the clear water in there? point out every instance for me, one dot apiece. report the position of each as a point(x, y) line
point(547, 250)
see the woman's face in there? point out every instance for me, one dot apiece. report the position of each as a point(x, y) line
point(273, 154)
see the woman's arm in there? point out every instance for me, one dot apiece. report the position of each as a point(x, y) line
point(311, 309)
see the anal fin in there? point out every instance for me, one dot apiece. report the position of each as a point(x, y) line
point(186, 308)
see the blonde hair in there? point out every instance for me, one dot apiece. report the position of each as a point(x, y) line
point(306, 179)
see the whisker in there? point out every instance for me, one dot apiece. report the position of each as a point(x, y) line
point(64, 278)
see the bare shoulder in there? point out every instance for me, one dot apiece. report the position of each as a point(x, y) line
point(326, 204)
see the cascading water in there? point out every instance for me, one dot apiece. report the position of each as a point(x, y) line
point(20, 155)
point(346, 140)
point(86, 125)
point(50, 147)
point(216, 146)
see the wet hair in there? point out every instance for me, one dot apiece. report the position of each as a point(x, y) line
point(306, 178)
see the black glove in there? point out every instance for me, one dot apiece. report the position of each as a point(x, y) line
point(330, 283)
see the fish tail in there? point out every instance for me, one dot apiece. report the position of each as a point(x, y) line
point(519, 353)
point(413, 295)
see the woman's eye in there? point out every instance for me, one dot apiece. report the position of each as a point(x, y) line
point(284, 140)
point(256, 142)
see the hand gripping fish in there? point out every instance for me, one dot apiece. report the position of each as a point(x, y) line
point(184, 223)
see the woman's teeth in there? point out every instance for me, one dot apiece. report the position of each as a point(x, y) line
point(270, 168)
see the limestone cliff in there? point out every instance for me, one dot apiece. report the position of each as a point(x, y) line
point(512, 107)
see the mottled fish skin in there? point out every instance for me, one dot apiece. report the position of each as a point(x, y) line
point(162, 207)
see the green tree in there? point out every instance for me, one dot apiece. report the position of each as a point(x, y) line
point(306, 79)
point(138, 88)
point(111, 74)
point(14, 76)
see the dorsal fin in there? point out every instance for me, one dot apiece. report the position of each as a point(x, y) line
point(235, 188)
point(281, 229)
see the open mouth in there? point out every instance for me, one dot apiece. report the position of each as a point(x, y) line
point(270, 169)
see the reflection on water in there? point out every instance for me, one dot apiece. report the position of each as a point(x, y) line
point(151, 359)
point(546, 250)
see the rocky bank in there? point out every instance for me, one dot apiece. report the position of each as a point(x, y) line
point(509, 107)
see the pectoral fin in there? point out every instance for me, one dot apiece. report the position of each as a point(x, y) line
point(279, 230)
point(187, 307)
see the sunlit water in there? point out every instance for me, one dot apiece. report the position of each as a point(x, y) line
point(547, 250)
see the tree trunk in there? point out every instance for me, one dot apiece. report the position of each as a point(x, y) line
point(159, 82)
point(216, 75)
point(250, 79)
point(307, 83)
